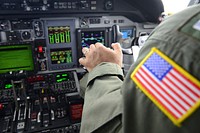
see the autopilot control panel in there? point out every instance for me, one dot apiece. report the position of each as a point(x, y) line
point(40, 44)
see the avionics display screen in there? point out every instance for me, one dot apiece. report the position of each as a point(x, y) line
point(15, 58)
point(61, 56)
point(59, 34)
point(127, 33)
point(92, 37)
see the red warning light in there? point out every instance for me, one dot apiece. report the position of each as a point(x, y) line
point(40, 49)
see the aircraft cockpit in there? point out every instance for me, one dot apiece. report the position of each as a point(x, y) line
point(40, 45)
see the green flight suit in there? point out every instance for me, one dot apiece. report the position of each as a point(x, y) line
point(116, 105)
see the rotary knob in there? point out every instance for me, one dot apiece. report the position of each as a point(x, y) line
point(108, 4)
point(26, 35)
point(28, 8)
point(4, 25)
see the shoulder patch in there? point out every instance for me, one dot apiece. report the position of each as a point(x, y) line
point(172, 89)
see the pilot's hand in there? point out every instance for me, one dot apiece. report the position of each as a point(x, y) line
point(98, 53)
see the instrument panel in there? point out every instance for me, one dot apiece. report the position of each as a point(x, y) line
point(46, 5)
point(49, 44)
point(39, 69)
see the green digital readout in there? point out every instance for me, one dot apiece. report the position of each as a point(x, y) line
point(59, 34)
point(62, 78)
point(8, 86)
point(60, 56)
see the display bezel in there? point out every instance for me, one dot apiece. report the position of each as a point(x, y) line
point(133, 28)
point(65, 59)
point(93, 37)
point(14, 71)
point(62, 22)
point(107, 33)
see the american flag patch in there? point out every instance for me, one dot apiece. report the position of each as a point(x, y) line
point(174, 91)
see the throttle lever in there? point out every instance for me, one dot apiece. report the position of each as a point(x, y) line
point(117, 37)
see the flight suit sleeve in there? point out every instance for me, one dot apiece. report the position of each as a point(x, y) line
point(83, 85)
point(102, 99)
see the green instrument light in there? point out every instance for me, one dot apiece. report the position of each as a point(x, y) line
point(68, 36)
point(57, 37)
point(59, 34)
point(64, 79)
point(58, 76)
point(61, 80)
point(62, 37)
point(8, 86)
point(64, 75)
point(51, 39)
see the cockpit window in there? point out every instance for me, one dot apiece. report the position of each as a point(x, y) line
point(173, 6)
